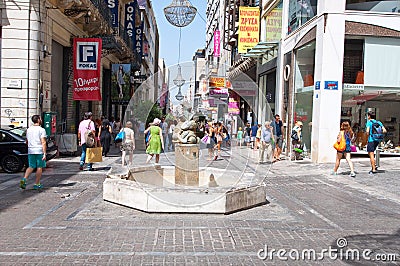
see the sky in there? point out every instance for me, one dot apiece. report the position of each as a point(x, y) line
point(192, 38)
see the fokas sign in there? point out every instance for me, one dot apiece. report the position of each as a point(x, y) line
point(87, 67)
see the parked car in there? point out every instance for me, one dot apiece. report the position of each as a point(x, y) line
point(14, 150)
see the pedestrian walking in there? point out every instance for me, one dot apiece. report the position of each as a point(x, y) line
point(253, 134)
point(219, 137)
point(128, 143)
point(239, 136)
point(247, 136)
point(105, 132)
point(164, 129)
point(258, 136)
point(211, 144)
point(156, 142)
point(297, 139)
point(36, 140)
point(97, 126)
point(348, 134)
point(171, 128)
point(84, 126)
point(266, 139)
point(277, 126)
point(116, 128)
point(375, 132)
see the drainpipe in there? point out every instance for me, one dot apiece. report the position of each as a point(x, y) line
point(29, 60)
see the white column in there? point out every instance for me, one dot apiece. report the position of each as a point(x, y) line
point(327, 102)
point(21, 49)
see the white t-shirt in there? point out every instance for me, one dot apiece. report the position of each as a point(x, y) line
point(34, 135)
point(171, 129)
point(129, 134)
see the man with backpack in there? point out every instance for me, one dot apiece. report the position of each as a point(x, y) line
point(86, 134)
point(375, 132)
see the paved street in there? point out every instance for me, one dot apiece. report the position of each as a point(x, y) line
point(69, 223)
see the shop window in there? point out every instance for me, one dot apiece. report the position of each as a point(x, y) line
point(374, 6)
point(353, 61)
point(300, 11)
point(304, 88)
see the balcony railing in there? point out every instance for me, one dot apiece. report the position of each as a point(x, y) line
point(103, 10)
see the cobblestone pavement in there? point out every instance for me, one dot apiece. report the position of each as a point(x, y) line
point(308, 209)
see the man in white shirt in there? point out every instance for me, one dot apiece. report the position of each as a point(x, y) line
point(36, 140)
point(85, 125)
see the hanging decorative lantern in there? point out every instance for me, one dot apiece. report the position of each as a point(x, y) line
point(180, 13)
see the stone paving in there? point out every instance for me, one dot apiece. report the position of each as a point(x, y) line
point(68, 223)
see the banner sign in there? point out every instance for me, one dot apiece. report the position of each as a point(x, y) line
point(130, 19)
point(217, 43)
point(120, 83)
point(113, 6)
point(87, 69)
point(219, 91)
point(249, 28)
point(274, 24)
point(233, 105)
point(134, 29)
point(216, 82)
point(139, 43)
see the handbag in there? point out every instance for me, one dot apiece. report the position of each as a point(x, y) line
point(120, 137)
point(341, 144)
point(94, 155)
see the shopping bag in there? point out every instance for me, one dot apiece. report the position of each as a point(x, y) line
point(120, 137)
point(205, 139)
point(94, 155)
point(341, 145)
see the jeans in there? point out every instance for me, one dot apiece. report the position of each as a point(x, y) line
point(83, 156)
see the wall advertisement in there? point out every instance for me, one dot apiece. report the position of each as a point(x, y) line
point(87, 69)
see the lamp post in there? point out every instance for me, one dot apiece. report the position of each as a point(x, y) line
point(179, 81)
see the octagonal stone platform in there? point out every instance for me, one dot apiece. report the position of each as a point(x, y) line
point(153, 189)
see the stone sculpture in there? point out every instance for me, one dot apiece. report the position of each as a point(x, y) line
point(185, 132)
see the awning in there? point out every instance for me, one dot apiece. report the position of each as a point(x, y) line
point(360, 99)
point(248, 60)
point(263, 49)
point(241, 66)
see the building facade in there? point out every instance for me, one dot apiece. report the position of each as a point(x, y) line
point(37, 57)
point(320, 62)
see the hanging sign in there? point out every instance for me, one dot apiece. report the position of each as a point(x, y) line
point(249, 28)
point(113, 6)
point(87, 69)
point(217, 43)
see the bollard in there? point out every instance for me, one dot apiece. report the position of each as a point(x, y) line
point(377, 158)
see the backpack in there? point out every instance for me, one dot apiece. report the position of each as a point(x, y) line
point(376, 131)
point(294, 135)
point(89, 137)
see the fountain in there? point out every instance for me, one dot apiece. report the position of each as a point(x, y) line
point(185, 187)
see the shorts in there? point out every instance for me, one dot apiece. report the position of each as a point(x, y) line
point(279, 141)
point(371, 146)
point(35, 161)
point(253, 138)
point(127, 146)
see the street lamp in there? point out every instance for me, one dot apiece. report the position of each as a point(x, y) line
point(179, 81)
point(180, 13)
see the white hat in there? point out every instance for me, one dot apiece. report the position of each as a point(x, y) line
point(156, 121)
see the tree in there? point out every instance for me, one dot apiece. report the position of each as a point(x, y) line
point(147, 111)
